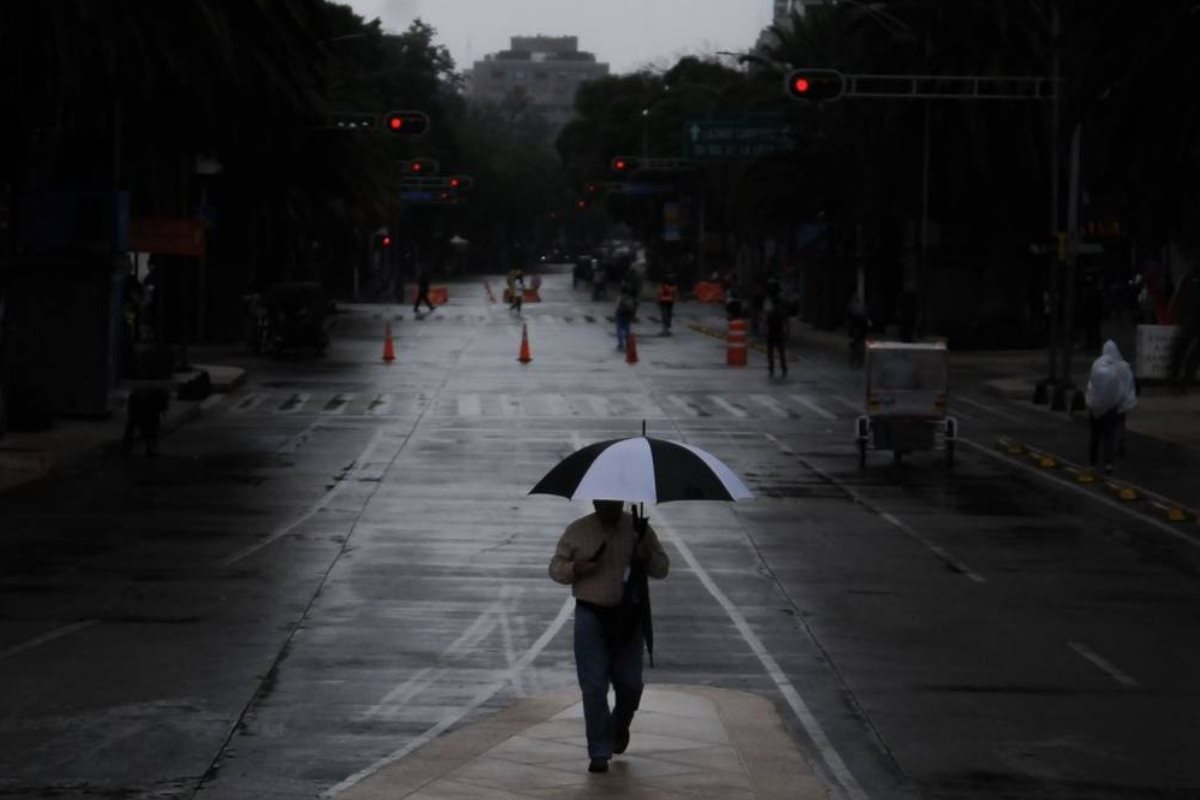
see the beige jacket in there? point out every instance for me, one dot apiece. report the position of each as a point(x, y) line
point(583, 538)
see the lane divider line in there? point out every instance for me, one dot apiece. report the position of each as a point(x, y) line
point(50, 636)
point(829, 754)
point(939, 551)
point(1105, 665)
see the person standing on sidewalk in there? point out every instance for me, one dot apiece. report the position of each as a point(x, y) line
point(668, 290)
point(601, 557)
point(1110, 395)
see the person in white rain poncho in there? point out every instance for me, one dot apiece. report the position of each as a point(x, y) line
point(1110, 394)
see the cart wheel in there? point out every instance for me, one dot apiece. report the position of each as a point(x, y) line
point(862, 455)
point(949, 454)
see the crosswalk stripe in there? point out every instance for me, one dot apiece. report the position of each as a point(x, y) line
point(772, 405)
point(337, 404)
point(470, 405)
point(812, 406)
point(248, 403)
point(598, 405)
point(689, 407)
point(730, 407)
point(380, 405)
point(295, 403)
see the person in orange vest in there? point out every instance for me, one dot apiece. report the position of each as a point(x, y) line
point(668, 290)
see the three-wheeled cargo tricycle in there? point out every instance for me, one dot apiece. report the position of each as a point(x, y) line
point(907, 393)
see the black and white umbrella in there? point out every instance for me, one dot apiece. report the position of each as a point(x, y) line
point(642, 470)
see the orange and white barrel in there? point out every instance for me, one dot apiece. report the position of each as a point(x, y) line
point(736, 352)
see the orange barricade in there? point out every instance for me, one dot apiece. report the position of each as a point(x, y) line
point(532, 296)
point(735, 355)
point(709, 292)
point(438, 295)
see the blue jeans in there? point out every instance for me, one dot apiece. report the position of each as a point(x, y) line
point(622, 332)
point(598, 664)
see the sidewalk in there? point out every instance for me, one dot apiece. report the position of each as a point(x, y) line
point(687, 742)
point(25, 457)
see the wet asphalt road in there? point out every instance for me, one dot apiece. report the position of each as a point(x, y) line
point(338, 563)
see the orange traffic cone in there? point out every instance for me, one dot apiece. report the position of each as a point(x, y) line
point(631, 348)
point(389, 347)
point(525, 357)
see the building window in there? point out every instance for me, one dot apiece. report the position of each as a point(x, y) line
point(498, 74)
point(540, 76)
point(520, 75)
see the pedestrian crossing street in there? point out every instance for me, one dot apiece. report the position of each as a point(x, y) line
point(696, 405)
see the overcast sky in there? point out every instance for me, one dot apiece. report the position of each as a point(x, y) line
point(627, 34)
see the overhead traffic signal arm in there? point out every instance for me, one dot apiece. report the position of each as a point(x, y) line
point(827, 85)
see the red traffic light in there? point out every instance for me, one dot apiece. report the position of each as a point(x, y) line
point(421, 166)
point(386, 241)
point(624, 164)
point(581, 204)
point(815, 85)
point(407, 123)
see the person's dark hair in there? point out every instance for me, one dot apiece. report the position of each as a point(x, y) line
point(609, 511)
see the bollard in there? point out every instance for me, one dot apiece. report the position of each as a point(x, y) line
point(735, 355)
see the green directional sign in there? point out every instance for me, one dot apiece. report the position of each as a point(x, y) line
point(744, 136)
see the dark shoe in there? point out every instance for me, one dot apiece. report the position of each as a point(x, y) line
point(598, 765)
point(621, 741)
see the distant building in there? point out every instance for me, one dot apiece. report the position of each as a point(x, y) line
point(549, 68)
point(782, 17)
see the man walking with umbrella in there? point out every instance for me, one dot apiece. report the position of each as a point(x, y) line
point(605, 557)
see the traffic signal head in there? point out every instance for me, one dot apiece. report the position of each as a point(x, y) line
point(815, 85)
point(386, 241)
point(421, 166)
point(624, 165)
point(406, 123)
point(461, 183)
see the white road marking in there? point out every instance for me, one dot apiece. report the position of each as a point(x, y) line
point(37, 641)
point(557, 405)
point(812, 406)
point(248, 403)
point(598, 405)
point(725, 404)
point(771, 404)
point(857, 496)
point(338, 404)
point(380, 405)
point(1091, 655)
point(212, 400)
point(683, 405)
point(297, 401)
point(984, 407)
point(470, 405)
point(325, 500)
point(808, 721)
point(452, 717)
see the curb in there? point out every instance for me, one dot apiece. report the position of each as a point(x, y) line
point(1143, 500)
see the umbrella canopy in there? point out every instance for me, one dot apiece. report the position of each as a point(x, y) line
point(642, 470)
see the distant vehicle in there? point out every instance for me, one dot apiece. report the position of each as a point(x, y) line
point(907, 391)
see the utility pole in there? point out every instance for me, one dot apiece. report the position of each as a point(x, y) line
point(1042, 394)
point(1065, 383)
